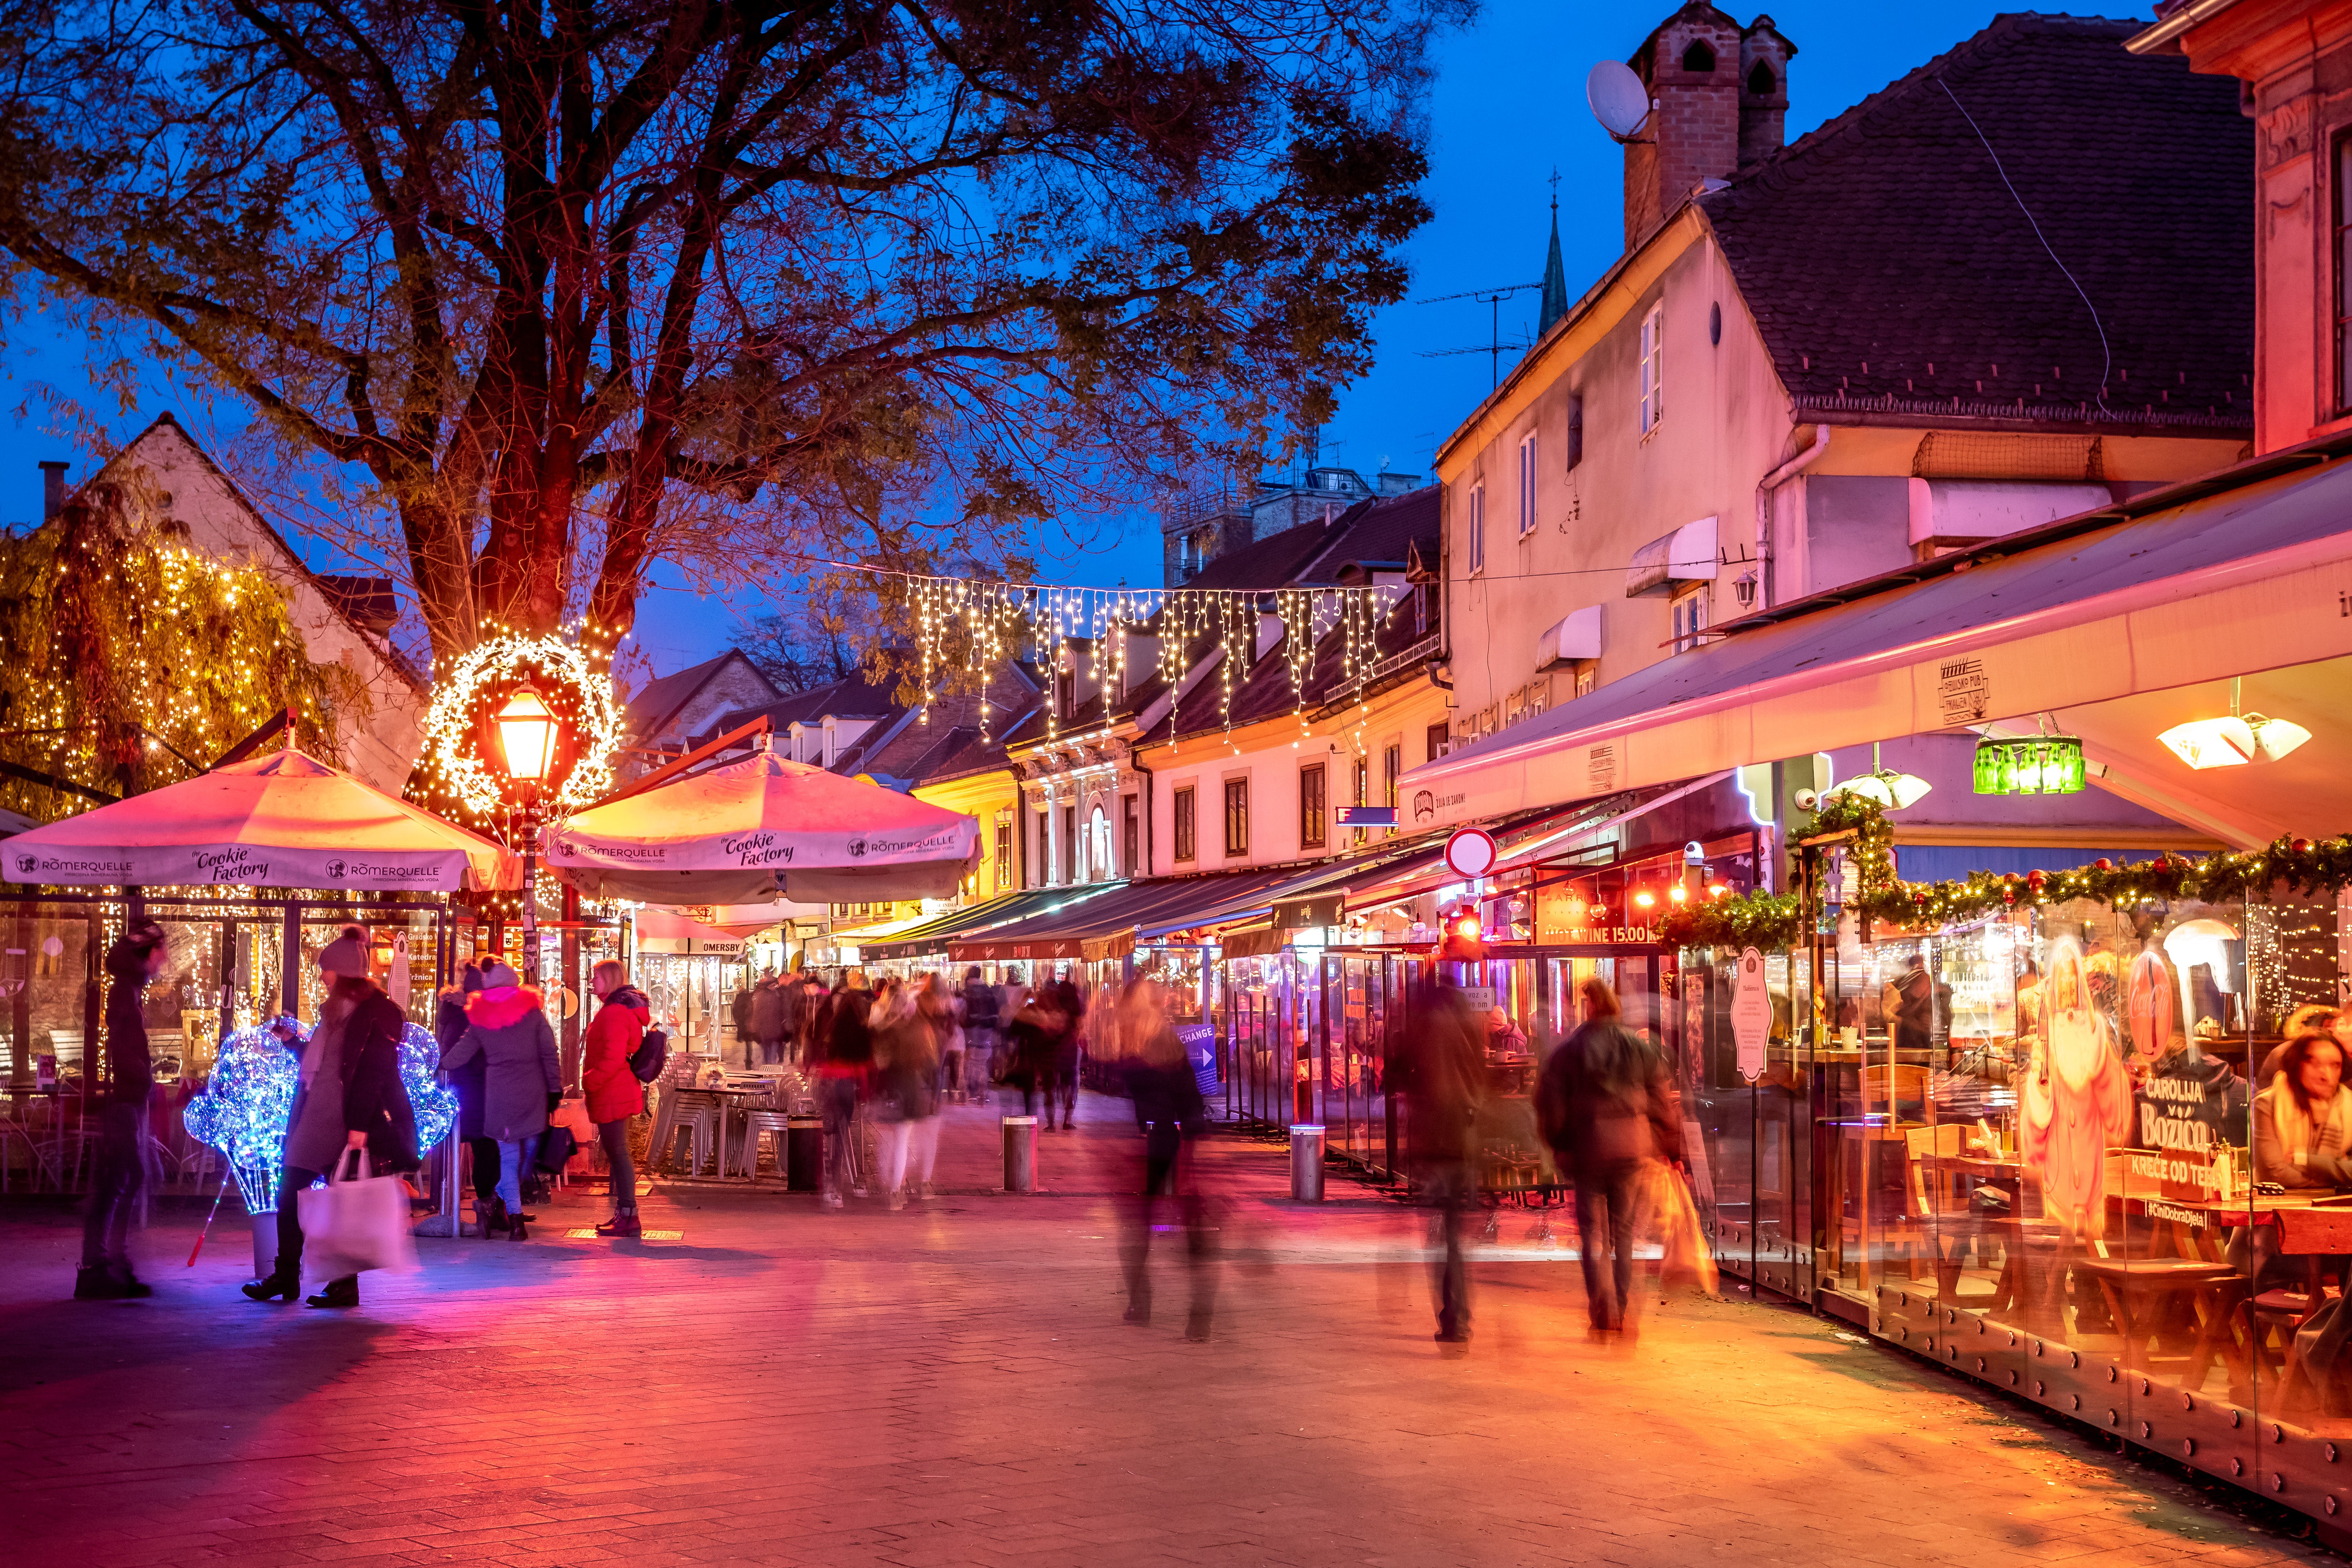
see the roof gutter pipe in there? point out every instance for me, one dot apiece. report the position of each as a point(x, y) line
point(1771, 482)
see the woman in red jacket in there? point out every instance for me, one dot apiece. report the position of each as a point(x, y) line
point(614, 1092)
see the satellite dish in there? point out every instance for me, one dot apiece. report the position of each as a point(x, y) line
point(1619, 100)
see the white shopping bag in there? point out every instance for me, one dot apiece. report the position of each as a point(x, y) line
point(356, 1223)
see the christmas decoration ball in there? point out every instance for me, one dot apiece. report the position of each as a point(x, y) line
point(2104, 864)
point(2302, 845)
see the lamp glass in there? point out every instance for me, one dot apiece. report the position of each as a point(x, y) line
point(2212, 742)
point(527, 735)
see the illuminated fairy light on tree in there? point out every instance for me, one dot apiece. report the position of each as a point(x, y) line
point(248, 1102)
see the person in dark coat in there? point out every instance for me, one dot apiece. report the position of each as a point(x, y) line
point(767, 1008)
point(467, 1083)
point(841, 1077)
point(1069, 1052)
point(981, 1020)
point(740, 1007)
point(1443, 1074)
point(1168, 1111)
point(523, 1085)
point(1606, 1106)
point(350, 1098)
point(137, 956)
point(1030, 1042)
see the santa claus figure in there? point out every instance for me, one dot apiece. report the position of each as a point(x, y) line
point(2075, 1099)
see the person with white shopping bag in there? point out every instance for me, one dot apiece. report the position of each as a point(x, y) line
point(349, 1101)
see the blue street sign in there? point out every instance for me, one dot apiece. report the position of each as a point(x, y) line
point(1364, 815)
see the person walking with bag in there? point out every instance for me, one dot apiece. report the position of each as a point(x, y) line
point(507, 1026)
point(1606, 1106)
point(348, 1100)
point(615, 1093)
point(137, 956)
point(467, 1084)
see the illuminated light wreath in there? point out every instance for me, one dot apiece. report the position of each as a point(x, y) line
point(249, 1101)
point(479, 683)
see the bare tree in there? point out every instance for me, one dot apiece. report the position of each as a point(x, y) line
point(567, 286)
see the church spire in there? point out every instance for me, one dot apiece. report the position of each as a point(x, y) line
point(1555, 278)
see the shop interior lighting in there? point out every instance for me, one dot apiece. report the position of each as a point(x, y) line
point(2235, 740)
point(1645, 897)
point(1678, 893)
point(1717, 890)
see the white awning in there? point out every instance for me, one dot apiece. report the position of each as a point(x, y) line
point(1575, 636)
point(2116, 632)
point(1686, 555)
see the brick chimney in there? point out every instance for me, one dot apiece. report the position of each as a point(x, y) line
point(1763, 91)
point(1691, 68)
point(53, 488)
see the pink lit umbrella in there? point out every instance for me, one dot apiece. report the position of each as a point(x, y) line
point(746, 832)
point(282, 820)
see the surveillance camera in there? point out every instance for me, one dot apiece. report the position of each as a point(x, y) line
point(1806, 800)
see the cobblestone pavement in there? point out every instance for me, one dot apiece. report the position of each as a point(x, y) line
point(953, 1383)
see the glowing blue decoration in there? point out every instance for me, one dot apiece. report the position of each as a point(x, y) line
point(434, 1104)
point(246, 1105)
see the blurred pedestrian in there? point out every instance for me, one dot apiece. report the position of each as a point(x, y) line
point(615, 1093)
point(740, 1010)
point(137, 956)
point(983, 1020)
point(768, 1008)
point(1606, 1106)
point(848, 1058)
point(507, 1024)
point(349, 1097)
point(1169, 1112)
point(1030, 1043)
point(467, 1083)
point(1069, 1051)
point(1444, 1073)
point(906, 1090)
point(943, 1010)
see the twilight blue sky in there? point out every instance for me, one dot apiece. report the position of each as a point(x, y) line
point(1508, 109)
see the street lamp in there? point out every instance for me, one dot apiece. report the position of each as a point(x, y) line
point(527, 744)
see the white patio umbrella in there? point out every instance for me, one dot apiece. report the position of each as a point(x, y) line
point(283, 820)
point(749, 831)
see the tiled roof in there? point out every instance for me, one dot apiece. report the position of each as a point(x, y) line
point(1271, 562)
point(1888, 242)
point(1382, 531)
point(856, 698)
point(665, 695)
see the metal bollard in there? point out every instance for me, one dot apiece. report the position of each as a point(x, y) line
point(1306, 1162)
point(1020, 1153)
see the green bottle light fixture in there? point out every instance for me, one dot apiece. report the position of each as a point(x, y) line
point(2036, 765)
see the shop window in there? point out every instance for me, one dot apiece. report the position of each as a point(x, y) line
point(1005, 851)
point(1130, 836)
point(1477, 517)
point(1391, 767)
point(1588, 676)
point(2343, 272)
point(1310, 811)
point(1689, 614)
point(1237, 816)
point(1069, 868)
point(1654, 332)
point(1180, 836)
point(1438, 742)
point(1526, 485)
point(1044, 848)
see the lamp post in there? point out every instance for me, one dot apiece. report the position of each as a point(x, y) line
point(526, 740)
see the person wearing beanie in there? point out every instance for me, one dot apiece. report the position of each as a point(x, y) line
point(136, 958)
point(349, 1097)
point(522, 1083)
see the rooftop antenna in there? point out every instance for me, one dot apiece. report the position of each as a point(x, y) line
point(1619, 101)
point(1491, 297)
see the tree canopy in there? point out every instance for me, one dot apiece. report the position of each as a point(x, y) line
point(568, 287)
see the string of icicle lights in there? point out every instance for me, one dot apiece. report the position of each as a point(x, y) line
point(974, 628)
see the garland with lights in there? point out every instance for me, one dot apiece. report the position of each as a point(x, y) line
point(121, 647)
point(455, 774)
point(249, 1101)
point(1764, 920)
point(964, 629)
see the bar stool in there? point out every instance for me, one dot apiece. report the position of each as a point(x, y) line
point(776, 1124)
